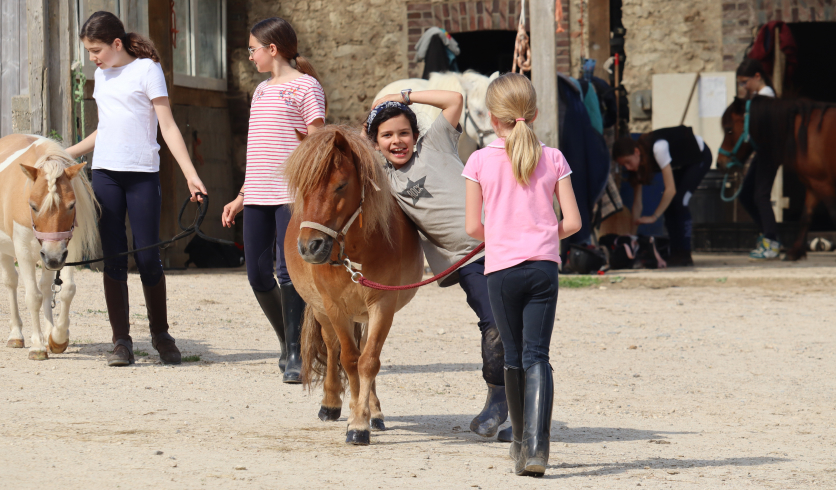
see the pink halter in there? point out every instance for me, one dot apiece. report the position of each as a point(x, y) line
point(56, 236)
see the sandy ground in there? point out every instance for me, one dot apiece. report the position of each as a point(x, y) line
point(717, 377)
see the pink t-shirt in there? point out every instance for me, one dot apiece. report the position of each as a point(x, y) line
point(520, 223)
point(276, 111)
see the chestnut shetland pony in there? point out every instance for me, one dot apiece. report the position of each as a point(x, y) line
point(334, 173)
point(801, 133)
point(47, 216)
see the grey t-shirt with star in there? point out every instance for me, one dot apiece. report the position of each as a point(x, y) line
point(431, 192)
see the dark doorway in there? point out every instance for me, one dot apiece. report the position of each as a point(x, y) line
point(486, 51)
point(815, 74)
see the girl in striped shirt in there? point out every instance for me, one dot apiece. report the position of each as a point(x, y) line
point(291, 99)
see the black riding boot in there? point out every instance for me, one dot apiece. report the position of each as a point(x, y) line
point(537, 419)
point(515, 390)
point(116, 298)
point(495, 411)
point(271, 305)
point(293, 310)
point(157, 309)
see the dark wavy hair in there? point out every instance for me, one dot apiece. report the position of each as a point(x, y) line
point(389, 113)
point(626, 146)
point(104, 27)
point(749, 68)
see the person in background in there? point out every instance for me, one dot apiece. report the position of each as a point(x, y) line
point(756, 192)
point(683, 159)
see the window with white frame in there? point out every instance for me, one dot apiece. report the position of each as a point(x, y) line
point(199, 43)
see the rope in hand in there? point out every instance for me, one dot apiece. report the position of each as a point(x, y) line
point(522, 49)
point(358, 278)
point(202, 208)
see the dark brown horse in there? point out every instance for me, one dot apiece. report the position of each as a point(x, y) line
point(797, 133)
point(344, 210)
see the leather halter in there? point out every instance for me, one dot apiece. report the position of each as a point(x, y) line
point(339, 236)
point(54, 236)
point(481, 133)
point(744, 138)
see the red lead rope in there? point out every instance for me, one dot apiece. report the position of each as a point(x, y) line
point(383, 287)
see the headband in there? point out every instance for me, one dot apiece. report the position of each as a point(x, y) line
point(379, 108)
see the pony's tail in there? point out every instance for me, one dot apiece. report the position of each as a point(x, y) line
point(305, 66)
point(314, 351)
point(140, 47)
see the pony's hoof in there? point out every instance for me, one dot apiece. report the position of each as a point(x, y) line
point(56, 348)
point(15, 344)
point(37, 355)
point(329, 414)
point(377, 424)
point(357, 437)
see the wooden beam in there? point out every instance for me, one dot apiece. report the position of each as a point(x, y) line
point(36, 48)
point(599, 34)
point(544, 69)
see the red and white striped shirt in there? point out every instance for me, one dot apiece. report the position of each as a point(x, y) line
point(276, 111)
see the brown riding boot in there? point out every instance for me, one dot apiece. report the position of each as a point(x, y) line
point(116, 298)
point(155, 304)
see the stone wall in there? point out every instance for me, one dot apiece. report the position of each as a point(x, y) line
point(670, 37)
point(356, 47)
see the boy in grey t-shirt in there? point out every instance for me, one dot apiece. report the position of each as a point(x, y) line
point(425, 179)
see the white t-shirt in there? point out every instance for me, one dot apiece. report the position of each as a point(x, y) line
point(766, 91)
point(662, 151)
point(127, 137)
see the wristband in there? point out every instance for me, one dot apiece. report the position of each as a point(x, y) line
point(405, 94)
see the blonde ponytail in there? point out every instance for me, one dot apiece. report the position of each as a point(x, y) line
point(512, 100)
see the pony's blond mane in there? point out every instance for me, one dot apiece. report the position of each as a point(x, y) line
point(53, 161)
point(310, 164)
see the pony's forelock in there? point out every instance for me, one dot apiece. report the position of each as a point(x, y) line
point(311, 163)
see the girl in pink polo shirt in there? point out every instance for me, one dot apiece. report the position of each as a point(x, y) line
point(514, 179)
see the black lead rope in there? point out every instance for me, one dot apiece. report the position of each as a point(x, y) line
point(202, 208)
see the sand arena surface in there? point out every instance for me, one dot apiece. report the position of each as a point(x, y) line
point(719, 377)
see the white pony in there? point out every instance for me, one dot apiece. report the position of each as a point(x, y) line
point(47, 218)
point(474, 119)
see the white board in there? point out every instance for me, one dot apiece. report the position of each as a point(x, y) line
point(711, 97)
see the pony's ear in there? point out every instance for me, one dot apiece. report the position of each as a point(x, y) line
point(341, 144)
point(494, 76)
point(72, 172)
point(300, 136)
point(30, 172)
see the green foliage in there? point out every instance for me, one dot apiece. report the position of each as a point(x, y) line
point(578, 281)
point(55, 135)
point(191, 358)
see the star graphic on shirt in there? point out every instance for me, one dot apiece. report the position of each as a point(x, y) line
point(415, 190)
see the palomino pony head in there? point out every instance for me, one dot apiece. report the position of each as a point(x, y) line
point(61, 204)
point(331, 174)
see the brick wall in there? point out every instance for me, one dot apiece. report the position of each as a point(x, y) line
point(469, 16)
point(742, 18)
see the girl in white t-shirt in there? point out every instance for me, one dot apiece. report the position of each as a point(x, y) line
point(131, 97)
point(290, 100)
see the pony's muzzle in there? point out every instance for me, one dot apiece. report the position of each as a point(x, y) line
point(316, 249)
point(54, 259)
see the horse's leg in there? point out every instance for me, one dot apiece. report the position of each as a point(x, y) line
point(375, 410)
point(34, 302)
point(7, 264)
point(380, 321)
point(45, 285)
point(59, 337)
point(374, 402)
point(799, 249)
point(332, 403)
point(358, 426)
